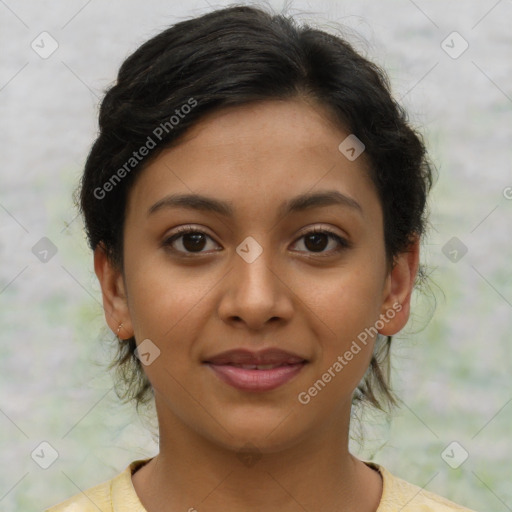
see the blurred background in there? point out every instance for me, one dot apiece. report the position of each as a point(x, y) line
point(450, 65)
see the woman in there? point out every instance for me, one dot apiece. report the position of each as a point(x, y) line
point(255, 201)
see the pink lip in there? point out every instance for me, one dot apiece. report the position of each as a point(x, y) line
point(227, 366)
point(256, 380)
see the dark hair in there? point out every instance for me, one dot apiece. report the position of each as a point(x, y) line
point(235, 56)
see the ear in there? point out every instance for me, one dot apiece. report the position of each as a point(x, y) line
point(398, 289)
point(113, 291)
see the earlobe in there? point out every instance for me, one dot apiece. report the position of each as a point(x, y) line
point(398, 290)
point(113, 292)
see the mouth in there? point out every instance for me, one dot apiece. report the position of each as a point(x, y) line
point(257, 372)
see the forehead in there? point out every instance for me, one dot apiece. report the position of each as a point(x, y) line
point(279, 128)
point(257, 154)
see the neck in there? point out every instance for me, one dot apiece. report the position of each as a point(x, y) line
point(314, 473)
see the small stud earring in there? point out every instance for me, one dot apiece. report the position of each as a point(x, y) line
point(118, 329)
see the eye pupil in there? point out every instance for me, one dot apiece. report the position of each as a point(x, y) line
point(198, 240)
point(318, 243)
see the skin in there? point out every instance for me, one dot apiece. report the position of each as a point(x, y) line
point(311, 303)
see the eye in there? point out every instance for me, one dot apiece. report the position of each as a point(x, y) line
point(315, 241)
point(193, 241)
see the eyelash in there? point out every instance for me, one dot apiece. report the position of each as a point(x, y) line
point(185, 230)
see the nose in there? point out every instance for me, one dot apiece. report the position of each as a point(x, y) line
point(255, 291)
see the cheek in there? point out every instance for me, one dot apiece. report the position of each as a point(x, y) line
point(167, 306)
point(348, 305)
point(348, 298)
point(166, 301)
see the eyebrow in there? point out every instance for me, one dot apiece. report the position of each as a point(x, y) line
point(296, 204)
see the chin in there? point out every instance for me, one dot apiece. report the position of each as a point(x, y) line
point(259, 431)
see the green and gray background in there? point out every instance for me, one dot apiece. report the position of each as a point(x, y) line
point(450, 65)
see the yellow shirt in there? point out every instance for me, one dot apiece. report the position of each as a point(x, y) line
point(118, 495)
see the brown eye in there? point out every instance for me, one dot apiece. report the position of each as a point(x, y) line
point(316, 241)
point(193, 241)
point(187, 241)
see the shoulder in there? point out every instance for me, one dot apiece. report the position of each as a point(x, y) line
point(397, 494)
point(117, 494)
point(93, 499)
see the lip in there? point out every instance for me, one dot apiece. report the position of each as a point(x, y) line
point(227, 366)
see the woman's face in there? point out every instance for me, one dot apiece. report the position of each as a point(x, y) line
point(255, 278)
